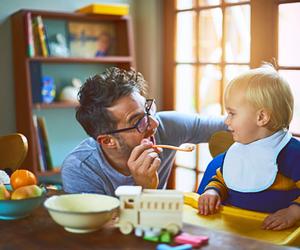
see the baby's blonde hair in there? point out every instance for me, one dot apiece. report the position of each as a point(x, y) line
point(265, 88)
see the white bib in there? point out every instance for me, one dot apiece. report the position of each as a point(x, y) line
point(252, 167)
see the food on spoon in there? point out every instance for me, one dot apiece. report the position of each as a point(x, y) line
point(187, 147)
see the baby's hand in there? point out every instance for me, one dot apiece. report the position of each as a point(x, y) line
point(209, 202)
point(282, 219)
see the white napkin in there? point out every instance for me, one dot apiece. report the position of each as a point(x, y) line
point(252, 167)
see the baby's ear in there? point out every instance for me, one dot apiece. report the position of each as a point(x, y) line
point(263, 117)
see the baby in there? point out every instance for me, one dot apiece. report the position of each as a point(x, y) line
point(261, 170)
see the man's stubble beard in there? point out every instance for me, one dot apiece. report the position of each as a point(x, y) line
point(125, 149)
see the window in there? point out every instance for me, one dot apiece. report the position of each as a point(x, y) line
point(289, 54)
point(207, 43)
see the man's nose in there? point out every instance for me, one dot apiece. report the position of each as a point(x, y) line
point(153, 122)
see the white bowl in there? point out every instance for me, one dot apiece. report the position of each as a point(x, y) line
point(81, 213)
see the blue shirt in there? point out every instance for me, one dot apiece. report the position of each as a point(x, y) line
point(86, 170)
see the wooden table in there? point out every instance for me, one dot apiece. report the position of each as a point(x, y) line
point(39, 231)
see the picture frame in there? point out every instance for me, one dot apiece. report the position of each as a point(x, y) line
point(90, 40)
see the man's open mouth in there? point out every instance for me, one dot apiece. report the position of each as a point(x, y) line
point(151, 138)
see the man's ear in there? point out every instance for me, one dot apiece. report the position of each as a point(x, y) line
point(263, 117)
point(106, 141)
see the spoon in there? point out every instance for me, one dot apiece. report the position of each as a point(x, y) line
point(184, 147)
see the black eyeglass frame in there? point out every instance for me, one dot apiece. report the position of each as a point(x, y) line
point(148, 106)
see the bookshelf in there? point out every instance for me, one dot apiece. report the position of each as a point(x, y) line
point(31, 63)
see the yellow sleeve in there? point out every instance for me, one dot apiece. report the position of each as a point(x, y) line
point(217, 183)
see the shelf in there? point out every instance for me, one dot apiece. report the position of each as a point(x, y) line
point(76, 16)
point(107, 59)
point(55, 105)
point(29, 72)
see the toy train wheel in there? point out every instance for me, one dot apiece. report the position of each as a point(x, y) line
point(173, 228)
point(126, 228)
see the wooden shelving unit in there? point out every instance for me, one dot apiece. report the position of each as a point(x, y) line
point(108, 59)
point(123, 57)
point(55, 105)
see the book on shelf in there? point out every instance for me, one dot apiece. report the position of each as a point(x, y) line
point(42, 142)
point(36, 82)
point(44, 134)
point(41, 35)
point(30, 41)
point(44, 36)
point(39, 145)
point(47, 41)
point(36, 40)
point(105, 9)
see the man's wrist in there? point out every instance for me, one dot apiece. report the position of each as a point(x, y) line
point(149, 185)
point(153, 183)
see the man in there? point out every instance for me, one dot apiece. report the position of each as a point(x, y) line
point(123, 126)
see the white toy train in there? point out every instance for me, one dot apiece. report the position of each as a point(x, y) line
point(149, 209)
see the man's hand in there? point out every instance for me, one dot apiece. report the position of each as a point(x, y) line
point(209, 202)
point(282, 219)
point(143, 164)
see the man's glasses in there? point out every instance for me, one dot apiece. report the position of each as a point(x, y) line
point(144, 122)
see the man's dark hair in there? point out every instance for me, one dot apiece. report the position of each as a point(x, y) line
point(100, 92)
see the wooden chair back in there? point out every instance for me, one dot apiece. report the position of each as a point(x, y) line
point(13, 150)
point(219, 142)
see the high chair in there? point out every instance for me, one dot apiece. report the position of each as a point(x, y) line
point(232, 219)
point(13, 150)
point(238, 221)
point(218, 143)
